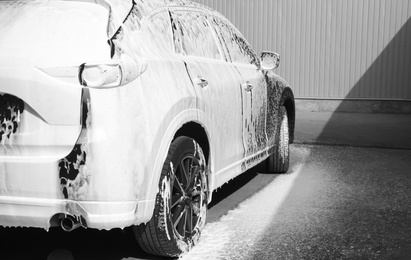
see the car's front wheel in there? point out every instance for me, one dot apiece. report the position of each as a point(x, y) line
point(279, 161)
point(181, 203)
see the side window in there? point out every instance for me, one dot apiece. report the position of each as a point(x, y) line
point(238, 48)
point(155, 32)
point(193, 35)
point(158, 29)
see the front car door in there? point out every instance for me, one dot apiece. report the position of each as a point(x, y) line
point(254, 92)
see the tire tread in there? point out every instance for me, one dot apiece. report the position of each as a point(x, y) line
point(275, 162)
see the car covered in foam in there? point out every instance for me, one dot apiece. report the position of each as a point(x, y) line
point(130, 113)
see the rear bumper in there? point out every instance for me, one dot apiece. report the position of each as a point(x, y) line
point(97, 170)
point(34, 212)
point(31, 196)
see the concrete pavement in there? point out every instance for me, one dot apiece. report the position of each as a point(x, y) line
point(354, 129)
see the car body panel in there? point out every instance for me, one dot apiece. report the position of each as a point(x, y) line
point(98, 153)
point(222, 85)
point(54, 40)
point(252, 82)
point(226, 128)
point(254, 109)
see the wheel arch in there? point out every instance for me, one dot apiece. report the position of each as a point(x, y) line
point(198, 133)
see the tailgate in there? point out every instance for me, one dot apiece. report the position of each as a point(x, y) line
point(40, 106)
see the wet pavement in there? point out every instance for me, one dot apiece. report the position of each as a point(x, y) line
point(344, 200)
point(335, 203)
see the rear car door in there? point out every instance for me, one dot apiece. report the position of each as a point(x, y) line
point(215, 82)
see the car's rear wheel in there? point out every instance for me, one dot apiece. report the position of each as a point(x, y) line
point(279, 161)
point(181, 203)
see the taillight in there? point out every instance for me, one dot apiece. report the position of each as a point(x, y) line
point(99, 75)
point(109, 74)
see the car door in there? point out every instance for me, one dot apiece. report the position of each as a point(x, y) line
point(253, 91)
point(215, 82)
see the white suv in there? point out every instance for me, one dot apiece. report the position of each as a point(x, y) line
point(131, 113)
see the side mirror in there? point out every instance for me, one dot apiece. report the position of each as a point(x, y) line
point(269, 60)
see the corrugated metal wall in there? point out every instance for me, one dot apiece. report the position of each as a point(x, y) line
point(331, 48)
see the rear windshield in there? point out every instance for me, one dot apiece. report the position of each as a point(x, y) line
point(46, 23)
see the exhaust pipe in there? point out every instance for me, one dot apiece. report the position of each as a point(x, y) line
point(69, 223)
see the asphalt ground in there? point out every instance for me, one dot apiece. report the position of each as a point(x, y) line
point(334, 203)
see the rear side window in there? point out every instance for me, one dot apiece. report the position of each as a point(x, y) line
point(193, 35)
point(239, 50)
point(153, 34)
point(159, 31)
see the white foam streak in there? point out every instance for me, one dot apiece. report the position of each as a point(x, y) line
point(244, 225)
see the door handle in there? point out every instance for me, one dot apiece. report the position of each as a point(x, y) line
point(247, 86)
point(201, 82)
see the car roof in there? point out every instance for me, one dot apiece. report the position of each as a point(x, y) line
point(122, 8)
point(149, 6)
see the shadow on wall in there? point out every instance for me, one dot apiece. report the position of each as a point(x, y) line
point(385, 85)
point(389, 77)
point(384, 124)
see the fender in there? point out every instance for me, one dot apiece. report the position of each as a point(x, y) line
point(279, 93)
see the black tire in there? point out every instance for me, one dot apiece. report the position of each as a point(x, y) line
point(279, 161)
point(181, 203)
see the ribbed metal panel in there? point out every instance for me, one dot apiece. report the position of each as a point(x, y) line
point(331, 48)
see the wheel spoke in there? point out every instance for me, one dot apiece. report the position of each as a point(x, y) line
point(185, 166)
point(178, 185)
point(189, 220)
point(194, 174)
point(178, 213)
point(176, 200)
point(180, 224)
point(195, 206)
point(181, 174)
point(191, 172)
